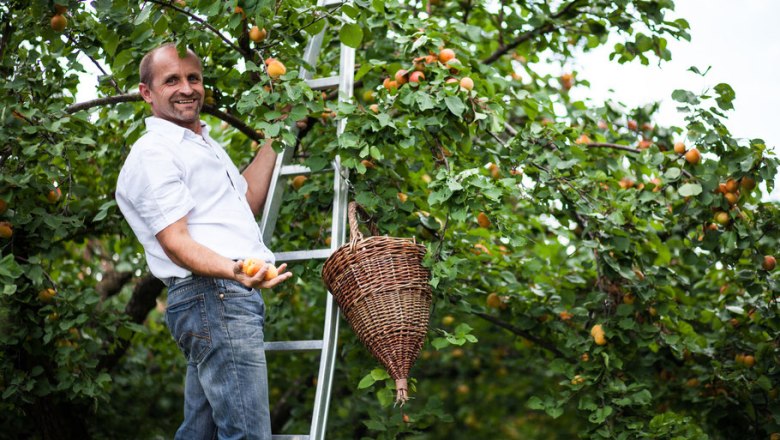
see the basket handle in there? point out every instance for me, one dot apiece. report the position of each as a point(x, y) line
point(354, 227)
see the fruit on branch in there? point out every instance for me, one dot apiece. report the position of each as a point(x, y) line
point(416, 77)
point(276, 68)
point(632, 125)
point(693, 156)
point(567, 80)
point(400, 77)
point(368, 96)
point(722, 218)
point(374, 108)
point(46, 295)
point(59, 23)
point(6, 230)
point(54, 195)
point(483, 220)
point(769, 262)
point(467, 83)
point(298, 181)
point(679, 148)
point(446, 55)
point(732, 185)
point(597, 332)
point(583, 139)
point(644, 144)
point(257, 35)
point(747, 183)
point(402, 197)
point(626, 183)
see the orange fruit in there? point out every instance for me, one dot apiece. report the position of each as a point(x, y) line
point(446, 55)
point(597, 332)
point(257, 35)
point(298, 181)
point(59, 22)
point(769, 262)
point(679, 148)
point(693, 156)
point(483, 220)
point(46, 295)
point(271, 273)
point(6, 230)
point(276, 69)
point(251, 266)
point(467, 83)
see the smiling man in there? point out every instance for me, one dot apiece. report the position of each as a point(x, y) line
point(194, 214)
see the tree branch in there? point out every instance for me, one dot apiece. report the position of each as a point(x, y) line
point(144, 299)
point(136, 97)
point(520, 332)
point(544, 29)
point(112, 283)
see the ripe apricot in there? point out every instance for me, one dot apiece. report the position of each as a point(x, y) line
point(731, 197)
point(416, 77)
point(567, 80)
point(467, 83)
point(483, 220)
point(6, 230)
point(276, 69)
point(252, 266)
point(59, 23)
point(632, 125)
point(577, 380)
point(732, 185)
point(46, 295)
point(679, 148)
point(374, 108)
point(271, 273)
point(298, 181)
point(747, 183)
point(400, 77)
point(693, 156)
point(583, 139)
point(722, 218)
point(446, 55)
point(402, 197)
point(367, 163)
point(493, 301)
point(54, 195)
point(769, 262)
point(257, 35)
point(597, 332)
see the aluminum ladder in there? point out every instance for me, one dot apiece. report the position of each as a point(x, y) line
point(284, 168)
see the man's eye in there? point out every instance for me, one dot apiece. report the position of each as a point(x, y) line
point(195, 79)
point(171, 81)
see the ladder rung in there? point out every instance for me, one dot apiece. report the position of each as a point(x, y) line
point(323, 83)
point(315, 254)
point(311, 345)
point(289, 437)
point(289, 170)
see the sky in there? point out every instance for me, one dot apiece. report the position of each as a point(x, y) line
point(740, 41)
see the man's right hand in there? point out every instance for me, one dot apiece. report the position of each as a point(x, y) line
point(258, 281)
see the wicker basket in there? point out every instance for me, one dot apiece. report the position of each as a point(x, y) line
point(382, 289)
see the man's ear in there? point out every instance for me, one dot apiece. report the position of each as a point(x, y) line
point(146, 92)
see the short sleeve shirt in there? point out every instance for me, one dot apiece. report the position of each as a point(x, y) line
point(172, 172)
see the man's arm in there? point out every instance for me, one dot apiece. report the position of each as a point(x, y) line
point(258, 176)
point(177, 243)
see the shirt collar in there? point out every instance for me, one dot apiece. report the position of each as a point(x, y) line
point(172, 131)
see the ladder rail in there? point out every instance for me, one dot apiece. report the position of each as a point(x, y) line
point(283, 167)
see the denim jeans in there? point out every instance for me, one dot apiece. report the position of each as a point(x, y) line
point(218, 325)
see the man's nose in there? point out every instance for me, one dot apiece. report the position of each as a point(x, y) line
point(186, 88)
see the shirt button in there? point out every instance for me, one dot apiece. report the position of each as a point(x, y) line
point(221, 296)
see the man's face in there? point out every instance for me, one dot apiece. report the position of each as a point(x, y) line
point(176, 92)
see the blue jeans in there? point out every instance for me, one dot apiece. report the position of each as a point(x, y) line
point(218, 324)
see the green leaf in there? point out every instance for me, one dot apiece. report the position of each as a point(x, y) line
point(455, 105)
point(351, 34)
point(689, 189)
point(366, 382)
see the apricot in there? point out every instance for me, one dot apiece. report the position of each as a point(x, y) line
point(483, 220)
point(59, 23)
point(298, 181)
point(467, 83)
point(597, 332)
point(276, 69)
point(257, 35)
point(446, 55)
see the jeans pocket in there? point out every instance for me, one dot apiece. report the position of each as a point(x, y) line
point(189, 327)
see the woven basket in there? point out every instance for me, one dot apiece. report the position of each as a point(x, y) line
point(382, 289)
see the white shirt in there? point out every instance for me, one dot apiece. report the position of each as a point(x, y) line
point(171, 172)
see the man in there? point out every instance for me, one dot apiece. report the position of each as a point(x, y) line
point(194, 214)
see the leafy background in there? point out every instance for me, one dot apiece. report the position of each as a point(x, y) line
point(593, 218)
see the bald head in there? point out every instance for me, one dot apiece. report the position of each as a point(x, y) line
point(146, 70)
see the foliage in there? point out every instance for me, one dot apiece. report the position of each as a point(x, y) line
point(593, 219)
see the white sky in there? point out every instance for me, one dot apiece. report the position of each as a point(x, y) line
point(740, 40)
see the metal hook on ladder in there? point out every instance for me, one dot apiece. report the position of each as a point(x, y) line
point(327, 345)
